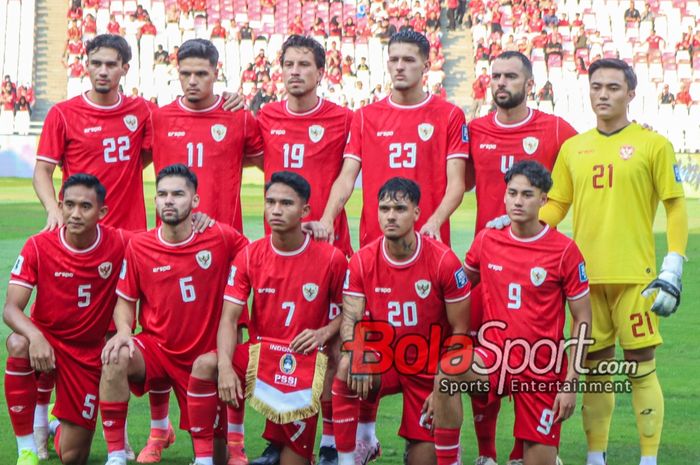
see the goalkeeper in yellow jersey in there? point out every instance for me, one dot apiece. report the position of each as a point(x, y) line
point(613, 177)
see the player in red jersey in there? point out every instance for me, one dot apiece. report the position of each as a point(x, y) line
point(410, 134)
point(179, 277)
point(496, 141)
point(528, 274)
point(100, 132)
point(298, 289)
point(416, 285)
point(74, 269)
point(306, 134)
point(196, 131)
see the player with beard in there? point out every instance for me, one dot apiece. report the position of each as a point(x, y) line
point(512, 133)
point(179, 276)
point(306, 134)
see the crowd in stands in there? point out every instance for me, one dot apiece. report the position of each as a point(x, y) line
point(15, 107)
point(661, 39)
point(248, 35)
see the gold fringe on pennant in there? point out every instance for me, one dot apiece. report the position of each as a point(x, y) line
point(269, 411)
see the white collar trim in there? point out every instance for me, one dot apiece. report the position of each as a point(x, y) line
point(410, 107)
point(306, 113)
point(174, 244)
point(514, 125)
point(184, 107)
point(412, 259)
point(293, 252)
point(102, 107)
point(62, 235)
point(538, 236)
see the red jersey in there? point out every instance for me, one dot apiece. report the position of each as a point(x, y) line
point(113, 27)
point(180, 287)
point(76, 48)
point(75, 288)
point(219, 32)
point(84, 137)
point(654, 42)
point(76, 70)
point(212, 143)
point(414, 142)
point(148, 29)
point(495, 147)
point(525, 284)
point(310, 144)
point(410, 295)
point(292, 291)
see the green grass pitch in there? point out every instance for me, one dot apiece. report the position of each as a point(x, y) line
point(678, 359)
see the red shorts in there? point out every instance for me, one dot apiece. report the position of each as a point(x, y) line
point(415, 389)
point(78, 371)
point(299, 436)
point(160, 368)
point(534, 418)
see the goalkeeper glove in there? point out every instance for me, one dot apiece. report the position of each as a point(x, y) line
point(668, 285)
point(499, 222)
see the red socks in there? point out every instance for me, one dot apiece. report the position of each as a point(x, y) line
point(327, 413)
point(446, 445)
point(202, 401)
point(20, 394)
point(159, 400)
point(368, 410)
point(517, 452)
point(346, 406)
point(113, 423)
point(485, 419)
point(44, 386)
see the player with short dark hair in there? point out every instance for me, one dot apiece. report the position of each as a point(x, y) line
point(528, 273)
point(413, 284)
point(74, 269)
point(178, 275)
point(298, 284)
point(196, 131)
point(614, 176)
point(512, 133)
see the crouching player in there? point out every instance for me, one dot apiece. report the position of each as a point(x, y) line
point(297, 286)
point(74, 269)
point(414, 286)
point(528, 272)
point(179, 276)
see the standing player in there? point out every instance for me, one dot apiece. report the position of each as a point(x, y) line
point(614, 176)
point(179, 277)
point(306, 134)
point(528, 274)
point(496, 141)
point(196, 131)
point(411, 134)
point(413, 283)
point(74, 269)
point(299, 286)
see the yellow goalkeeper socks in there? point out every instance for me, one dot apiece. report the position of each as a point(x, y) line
point(648, 404)
point(597, 411)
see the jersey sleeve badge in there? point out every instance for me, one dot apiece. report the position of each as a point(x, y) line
point(582, 276)
point(677, 173)
point(461, 278)
point(17, 269)
point(232, 275)
point(122, 273)
point(538, 275)
point(423, 288)
point(465, 133)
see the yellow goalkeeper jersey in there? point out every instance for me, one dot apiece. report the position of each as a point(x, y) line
point(614, 184)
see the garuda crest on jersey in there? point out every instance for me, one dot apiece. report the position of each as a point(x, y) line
point(131, 122)
point(204, 259)
point(105, 269)
point(538, 275)
point(423, 288)
point(316, 133)
point(310, 291)
point(530, 144)
point(425, 131)
point(626, 152)
point(218, 132)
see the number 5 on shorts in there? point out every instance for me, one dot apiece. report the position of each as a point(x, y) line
point(546, 421)
point(89, 404)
